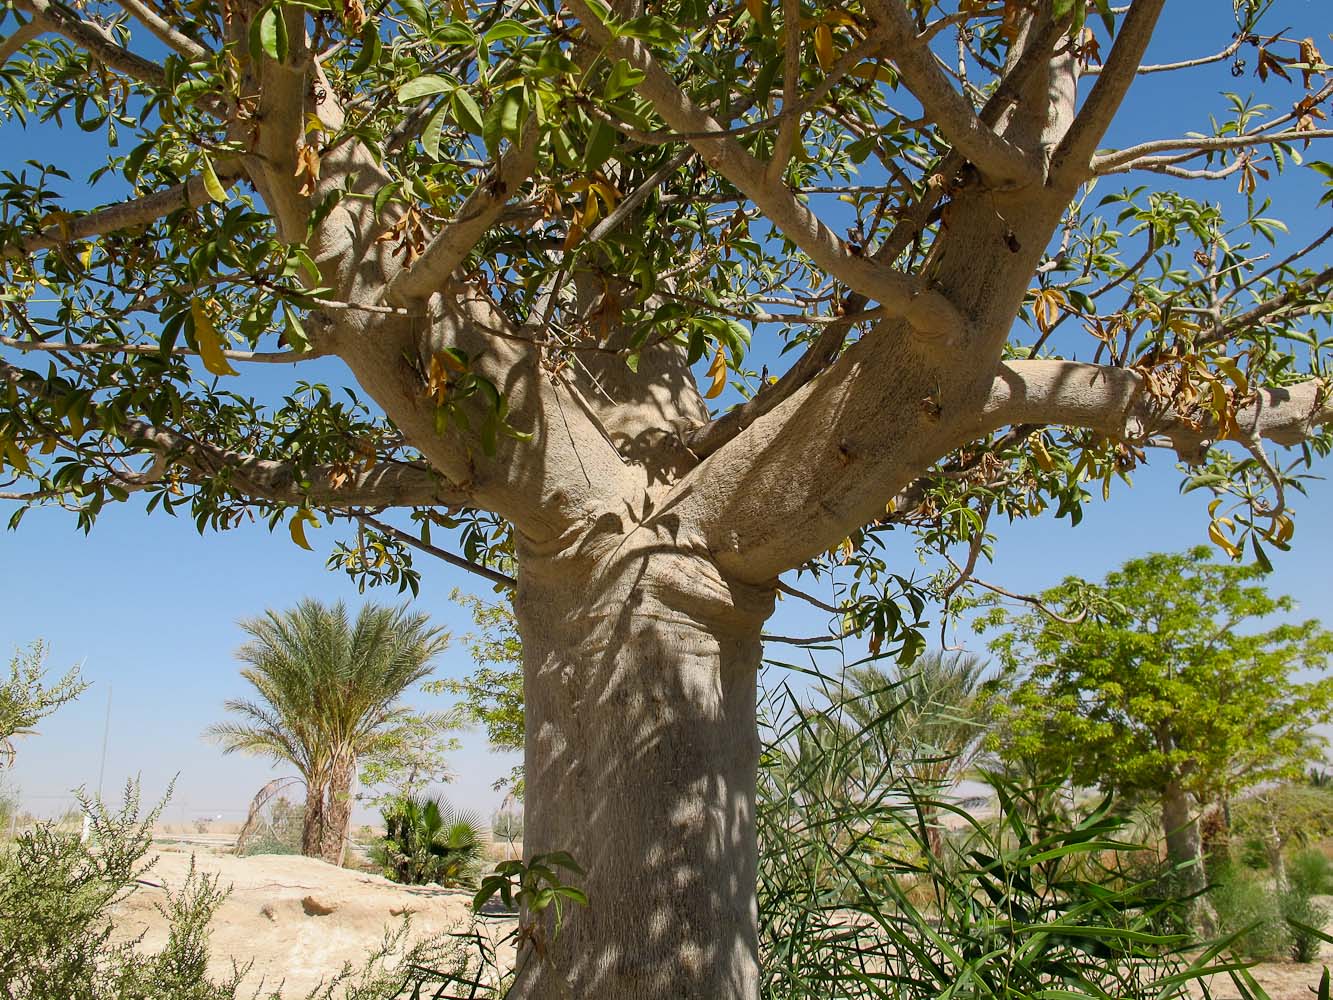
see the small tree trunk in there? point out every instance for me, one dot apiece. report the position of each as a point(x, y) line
point(1182, 836)
point(641, 756)
point(1183, 850)
point(312, 823)
point(338, 811)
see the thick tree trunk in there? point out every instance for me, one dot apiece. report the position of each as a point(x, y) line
point(642, 748)
point(338, 811)
point(1182, 837)
point(312, 823)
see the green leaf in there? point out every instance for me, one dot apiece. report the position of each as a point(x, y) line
point(622, 79)
point(424, 86)
point(371, 47)
point(211, 183)
point(430, 136)
point(466, 111)
point(508, 29)
point(416, 13)
point(268, 35)
point(601, 141)
point(502, 118)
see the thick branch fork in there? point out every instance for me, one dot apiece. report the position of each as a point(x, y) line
point(1117, 402)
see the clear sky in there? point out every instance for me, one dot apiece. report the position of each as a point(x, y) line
point(150, 607)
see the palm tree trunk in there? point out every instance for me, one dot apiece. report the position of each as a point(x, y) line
point(312, 823)
point(338, 810)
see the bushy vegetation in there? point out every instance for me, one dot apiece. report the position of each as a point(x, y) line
point(857, 901)
point(56, 929)
point(426, 840)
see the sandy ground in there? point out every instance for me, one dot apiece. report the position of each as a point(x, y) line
point(1281, 980)
point(296, 919)
point(299, 920)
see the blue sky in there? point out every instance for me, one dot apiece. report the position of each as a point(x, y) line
point(150, 607)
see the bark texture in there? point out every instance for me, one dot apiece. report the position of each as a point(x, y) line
point(338, 811)
point(312, 823)
point(640, 667)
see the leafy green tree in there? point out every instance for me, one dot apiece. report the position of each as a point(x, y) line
point(328, 692)
point(25, 700)
point(492, 695)
point(1164, 682)
point(518, 254)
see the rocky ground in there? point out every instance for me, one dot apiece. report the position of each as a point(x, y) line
point(298, 921)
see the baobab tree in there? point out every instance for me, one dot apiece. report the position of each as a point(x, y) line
point(539, 238)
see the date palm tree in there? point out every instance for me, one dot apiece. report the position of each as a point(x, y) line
point(327, 693)
point(928, 719)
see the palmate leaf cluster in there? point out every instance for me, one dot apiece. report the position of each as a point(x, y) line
point(1140, 276)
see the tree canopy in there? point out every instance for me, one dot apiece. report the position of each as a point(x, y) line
point(653, 304)
point(1170, 673)
point(281, 179)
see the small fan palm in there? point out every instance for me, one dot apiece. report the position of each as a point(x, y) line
point(427, 840)
point(327, 693)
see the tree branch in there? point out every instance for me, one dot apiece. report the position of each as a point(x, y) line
point(478, 213)
point(999, 161)
point(1090, 124)
point(69, 347)
point(181, 44)
point(1250, 317)
point(56, 17)
point(434, 550)
point(113, 218)
point(1125, 159)
point(20, 37)
point(1118, 402)
point(926, 310)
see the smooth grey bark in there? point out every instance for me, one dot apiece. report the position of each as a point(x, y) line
point(640, 671)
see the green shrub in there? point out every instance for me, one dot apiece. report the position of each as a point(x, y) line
point(855, 902)
point(56, 898)
point(1305, 919)
point(1302, 813)
point(1310, 872)
point(507, 825)
point(1248, 906)
point(426, 840)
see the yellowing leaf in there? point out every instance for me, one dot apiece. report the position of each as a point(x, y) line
point(1221, 541)
point(297, 527)
point(824, 51)
point(1040, 453)
point(211, 183)
point(1231, 370)
point(86, 256)
point(210, 343)
point(717, 371)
